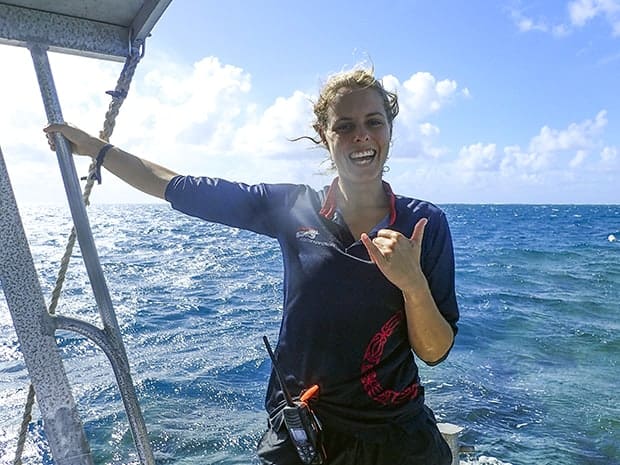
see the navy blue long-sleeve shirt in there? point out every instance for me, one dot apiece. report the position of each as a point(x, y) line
point(343, 324)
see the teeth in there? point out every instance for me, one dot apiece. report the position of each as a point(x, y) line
point(364, 154)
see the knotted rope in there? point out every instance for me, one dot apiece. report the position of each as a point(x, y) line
point(119, 94)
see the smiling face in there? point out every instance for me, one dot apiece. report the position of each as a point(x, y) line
point(357, 134)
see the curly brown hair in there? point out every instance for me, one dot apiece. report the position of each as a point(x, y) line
point(358, 78)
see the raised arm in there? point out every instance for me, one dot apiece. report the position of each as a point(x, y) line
point(144, 175)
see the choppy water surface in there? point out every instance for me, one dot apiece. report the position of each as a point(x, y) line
point(532, 378)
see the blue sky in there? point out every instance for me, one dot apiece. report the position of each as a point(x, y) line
point(511, 102)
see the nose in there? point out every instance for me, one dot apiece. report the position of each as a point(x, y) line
point(361, 136)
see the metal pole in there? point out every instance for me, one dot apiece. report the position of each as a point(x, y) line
point(22, 289)
point(90, 256)
point(451, 433)
point(74, 195)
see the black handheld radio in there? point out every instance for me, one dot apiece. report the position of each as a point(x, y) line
point(302, 424)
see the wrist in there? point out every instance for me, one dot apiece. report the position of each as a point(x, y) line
point(103, 151)
point(417, 288)
point(95, 146)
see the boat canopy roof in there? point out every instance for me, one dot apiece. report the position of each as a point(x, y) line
point(105, 29)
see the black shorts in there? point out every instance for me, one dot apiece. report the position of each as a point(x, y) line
point(419, 443)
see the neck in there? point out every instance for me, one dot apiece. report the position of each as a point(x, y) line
point(361, 195)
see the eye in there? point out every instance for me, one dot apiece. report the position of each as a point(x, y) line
point(343, 127)
point(375, 123)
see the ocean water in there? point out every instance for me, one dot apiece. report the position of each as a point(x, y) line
point(533, 377)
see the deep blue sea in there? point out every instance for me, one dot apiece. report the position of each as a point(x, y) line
point(534, 376)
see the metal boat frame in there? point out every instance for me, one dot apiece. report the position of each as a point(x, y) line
point(111, 30)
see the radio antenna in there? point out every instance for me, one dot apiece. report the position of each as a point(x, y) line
point(287, 394)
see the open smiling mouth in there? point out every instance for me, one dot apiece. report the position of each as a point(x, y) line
point(363, 158)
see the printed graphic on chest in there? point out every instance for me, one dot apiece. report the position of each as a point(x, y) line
point(307, 233)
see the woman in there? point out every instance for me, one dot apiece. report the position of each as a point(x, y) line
point(369, 277)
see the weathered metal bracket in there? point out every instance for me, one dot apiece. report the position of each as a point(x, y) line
point(24, 297)
point(93, 28)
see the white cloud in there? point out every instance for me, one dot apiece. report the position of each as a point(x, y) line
point(190, 106)
point(609, 59)
point(478, 157)
point(553, 160)
point(548, 149)
point(422, 94)
point(609, 155)
point(428, 129)
point(580, 13)
point(268, 132)
point(32, 166)
point(204, 119)
point(198, 119)
point(576, 136)
point(546, 164)
point(583, 11)
point(525, 24)
point(522, 163)
point(577, 161)
point(420, 97)
point(560, 30)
